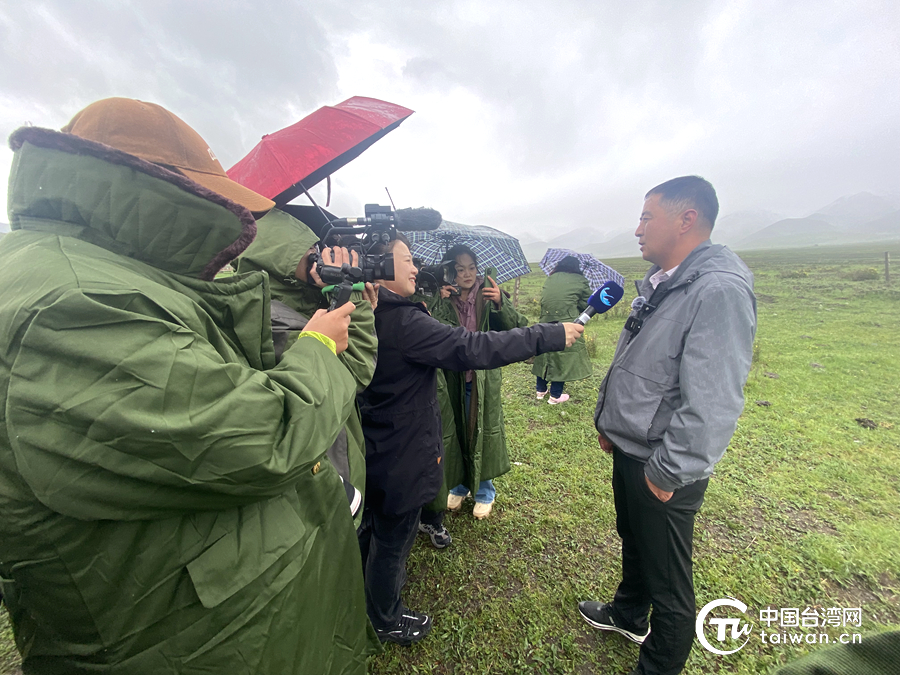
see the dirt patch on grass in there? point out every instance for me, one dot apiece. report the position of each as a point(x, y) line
point(881, 605)
point(804, 521)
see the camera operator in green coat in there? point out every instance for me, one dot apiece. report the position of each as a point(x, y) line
point(564, 297)
point(283, 248)
point(475, 399)
point(165, 502)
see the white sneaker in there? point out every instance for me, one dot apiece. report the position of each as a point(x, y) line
point(562, 399)
point(541, 394)
point(454, 502)
point(482, 511)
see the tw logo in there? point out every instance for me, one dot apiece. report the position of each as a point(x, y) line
point(722, 625)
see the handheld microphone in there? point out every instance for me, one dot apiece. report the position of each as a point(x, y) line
point(602, 300)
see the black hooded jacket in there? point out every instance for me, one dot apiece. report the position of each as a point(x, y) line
point(400, 413)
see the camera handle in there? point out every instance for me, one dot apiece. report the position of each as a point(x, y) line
point(340, 293)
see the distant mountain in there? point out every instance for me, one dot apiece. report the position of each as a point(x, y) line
point(793, 232)
point(886, 227)
point(536, 250)
point(4, 227)
point(577, 240)
point(855, 218)
point(621, 245)
point(858, 209)
point(579, 237)
point(734, 227)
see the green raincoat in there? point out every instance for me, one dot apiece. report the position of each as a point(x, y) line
point(564, 297)
point(477, 450)
point(165, 506)
point(281, 241)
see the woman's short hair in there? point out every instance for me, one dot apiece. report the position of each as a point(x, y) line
point(568, 264)
point(458, 250)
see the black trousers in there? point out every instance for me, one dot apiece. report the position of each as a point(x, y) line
point(385, 542)
point(657, 566)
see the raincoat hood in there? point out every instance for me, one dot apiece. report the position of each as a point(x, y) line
point(71, 186)
point(279, 252)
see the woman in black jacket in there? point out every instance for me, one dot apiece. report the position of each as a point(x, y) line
point(402, 425)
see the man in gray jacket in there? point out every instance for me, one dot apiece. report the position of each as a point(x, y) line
point(667, 410)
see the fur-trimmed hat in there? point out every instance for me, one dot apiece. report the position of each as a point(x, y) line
point(151, 132)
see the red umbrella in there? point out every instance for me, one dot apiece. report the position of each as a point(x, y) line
point(288, 162)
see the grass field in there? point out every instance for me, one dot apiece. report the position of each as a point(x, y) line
point(803, 511)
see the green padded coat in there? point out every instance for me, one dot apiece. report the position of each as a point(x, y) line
point(165, 506)
point(564, 297)
point(478, 451)
point(281, 241)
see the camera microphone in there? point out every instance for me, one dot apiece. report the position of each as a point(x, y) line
point(406, 220)
point(601, 301)
point(410, 220)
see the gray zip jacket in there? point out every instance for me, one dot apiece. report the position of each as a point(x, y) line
point(674, 390)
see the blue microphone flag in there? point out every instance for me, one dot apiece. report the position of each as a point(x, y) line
point(602, 300)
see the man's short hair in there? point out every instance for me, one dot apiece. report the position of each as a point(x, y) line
point(688, 192)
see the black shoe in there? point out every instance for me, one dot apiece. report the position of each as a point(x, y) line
point(440, 537)
point(600, 616)
point(411, 628)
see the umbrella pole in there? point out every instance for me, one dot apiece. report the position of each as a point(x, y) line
point(310, 197)
point(516, 293)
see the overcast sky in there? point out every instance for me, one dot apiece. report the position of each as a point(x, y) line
point(533, 117)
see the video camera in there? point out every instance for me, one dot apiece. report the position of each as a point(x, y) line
point(362, 235)
point(432, 278)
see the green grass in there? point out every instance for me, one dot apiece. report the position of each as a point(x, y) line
point(802, 511)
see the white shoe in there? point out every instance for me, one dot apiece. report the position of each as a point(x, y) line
point(482, 511)
point(542, 394)
point(454, 502)
point(562, 399)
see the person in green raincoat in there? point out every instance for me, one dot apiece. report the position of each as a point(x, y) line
point(479, 452)
point(165, 501)
point(564, 297)
point(282, 249)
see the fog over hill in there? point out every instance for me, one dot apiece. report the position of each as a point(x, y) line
point(854, 218)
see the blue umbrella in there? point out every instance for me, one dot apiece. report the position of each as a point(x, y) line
point(596, 272)
point(493, 247)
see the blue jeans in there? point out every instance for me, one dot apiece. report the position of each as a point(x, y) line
point(556, 388)
point(486, 491)
point(485, 494)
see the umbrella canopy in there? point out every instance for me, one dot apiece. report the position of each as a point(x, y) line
point(596, 272)
point(493, 247)
point(285, 162)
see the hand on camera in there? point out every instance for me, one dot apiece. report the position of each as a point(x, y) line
point(333, 257)
point(492, 293)
point(446, 291)
point(573, 332)
point(371, 294)
point(332, 324)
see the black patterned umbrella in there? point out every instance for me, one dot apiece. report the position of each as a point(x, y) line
point(595, 271)
point(494, 248)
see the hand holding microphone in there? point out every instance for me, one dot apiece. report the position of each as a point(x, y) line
point(601, 301)
point(573, 332)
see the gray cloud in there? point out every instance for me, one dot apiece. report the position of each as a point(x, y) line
point(228, 69)
point(783, 106)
